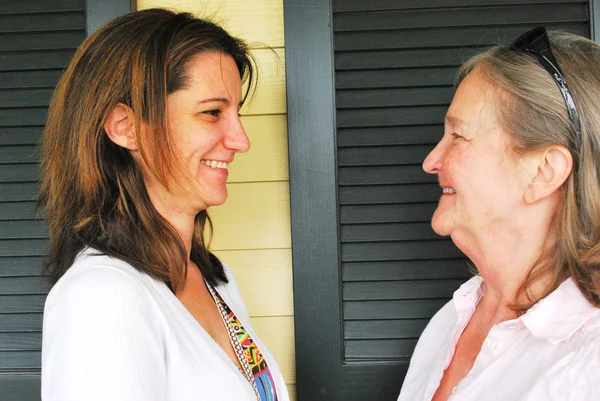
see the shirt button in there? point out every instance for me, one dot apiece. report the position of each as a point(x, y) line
point(511, 326)
point(453, 389)
point(493, 346)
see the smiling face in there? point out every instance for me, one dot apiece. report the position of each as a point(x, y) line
point(482, 192)
point(206, 129)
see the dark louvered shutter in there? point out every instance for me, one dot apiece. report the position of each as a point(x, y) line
point(37, 40)
point(394, 66)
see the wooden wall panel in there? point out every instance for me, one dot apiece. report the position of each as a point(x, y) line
point(267, 159)
point(278, 334)
point(270, 96)
point(255, 216)
point(272, 268)
point(256, 20)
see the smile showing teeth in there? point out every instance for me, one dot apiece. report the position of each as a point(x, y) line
point(215, 164)
point(448, 191)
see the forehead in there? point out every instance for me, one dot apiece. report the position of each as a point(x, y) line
point(213, 71)
point(475, 101)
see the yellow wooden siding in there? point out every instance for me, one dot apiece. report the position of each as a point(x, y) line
point(274, 267)
point(252, 232)
point(254, 20)
point(267, 159)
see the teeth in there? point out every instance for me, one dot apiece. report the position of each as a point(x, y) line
point(215, 164)
point(448, 191)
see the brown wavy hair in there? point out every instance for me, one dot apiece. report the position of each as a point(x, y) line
point(92, 190)
point(534, 114)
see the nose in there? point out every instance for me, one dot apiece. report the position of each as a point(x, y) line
point(433, 162)
point(236, 138)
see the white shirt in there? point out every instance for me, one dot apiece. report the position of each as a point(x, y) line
point(551, 353)
point(112, 333)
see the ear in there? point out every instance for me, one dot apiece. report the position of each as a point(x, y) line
point(554, 165)
point(120, 127)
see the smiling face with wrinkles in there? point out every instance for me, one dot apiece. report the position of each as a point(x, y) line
point(477, 170)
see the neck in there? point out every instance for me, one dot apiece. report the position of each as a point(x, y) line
point(181, 220)
point(505, 260)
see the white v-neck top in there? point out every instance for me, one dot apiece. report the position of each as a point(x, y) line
point(550, 353)
point(113, 333)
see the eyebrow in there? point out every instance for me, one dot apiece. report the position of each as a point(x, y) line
point(219, 99)
point(455, 121)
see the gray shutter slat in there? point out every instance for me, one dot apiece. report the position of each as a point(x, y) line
point(390, 5)
point(17, 211)
point(36, 285)
point(20, 135)
point(394, 290)
point(32, 60)
point(19, 154)
point(40, 5)
point(18, 192)
point(397, 135)
point(21, 266)
point(21, 322)
point(20, 341)
point(379, 349)
point(25, 98)
point(15, 229)
point(421, 19)
point(390, 116)
point(370, 98)
point(23, 247)
point(405, 270)
point(22, 303)
point(411, 39)
point(386, 232)
point(405, 309)
point(383, 329)
point(19, 172)
point(407, 250)
point(25, 116)
point(369, 60)
point(371, 156)
point(379, 175)
point(386, 194)
point(20, 386)
point(399, 213)
point(41, 41)
point(33, 79)
point(405, 78)
point(61, 21)
point(21, 359)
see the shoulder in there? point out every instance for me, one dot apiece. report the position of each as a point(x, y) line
point(100, 281)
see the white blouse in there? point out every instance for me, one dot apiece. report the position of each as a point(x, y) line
point(113, 333)
point(551, 353)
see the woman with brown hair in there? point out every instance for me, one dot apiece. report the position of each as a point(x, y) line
point(141, 130)
point(519, 168)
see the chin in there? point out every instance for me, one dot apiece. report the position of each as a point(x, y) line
point(441, 226)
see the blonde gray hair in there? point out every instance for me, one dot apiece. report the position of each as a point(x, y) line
point(534, 114)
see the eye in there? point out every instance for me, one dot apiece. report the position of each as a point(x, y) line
point(456, 136)
point(215, 112)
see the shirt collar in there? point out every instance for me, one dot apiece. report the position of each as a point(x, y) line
point(468, 295)
point(559, 315)
point(555, 318)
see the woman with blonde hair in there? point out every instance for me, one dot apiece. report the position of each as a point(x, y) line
point(141, 130)
point(519, 168)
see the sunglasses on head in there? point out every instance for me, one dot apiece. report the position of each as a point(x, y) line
point(536, 43)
